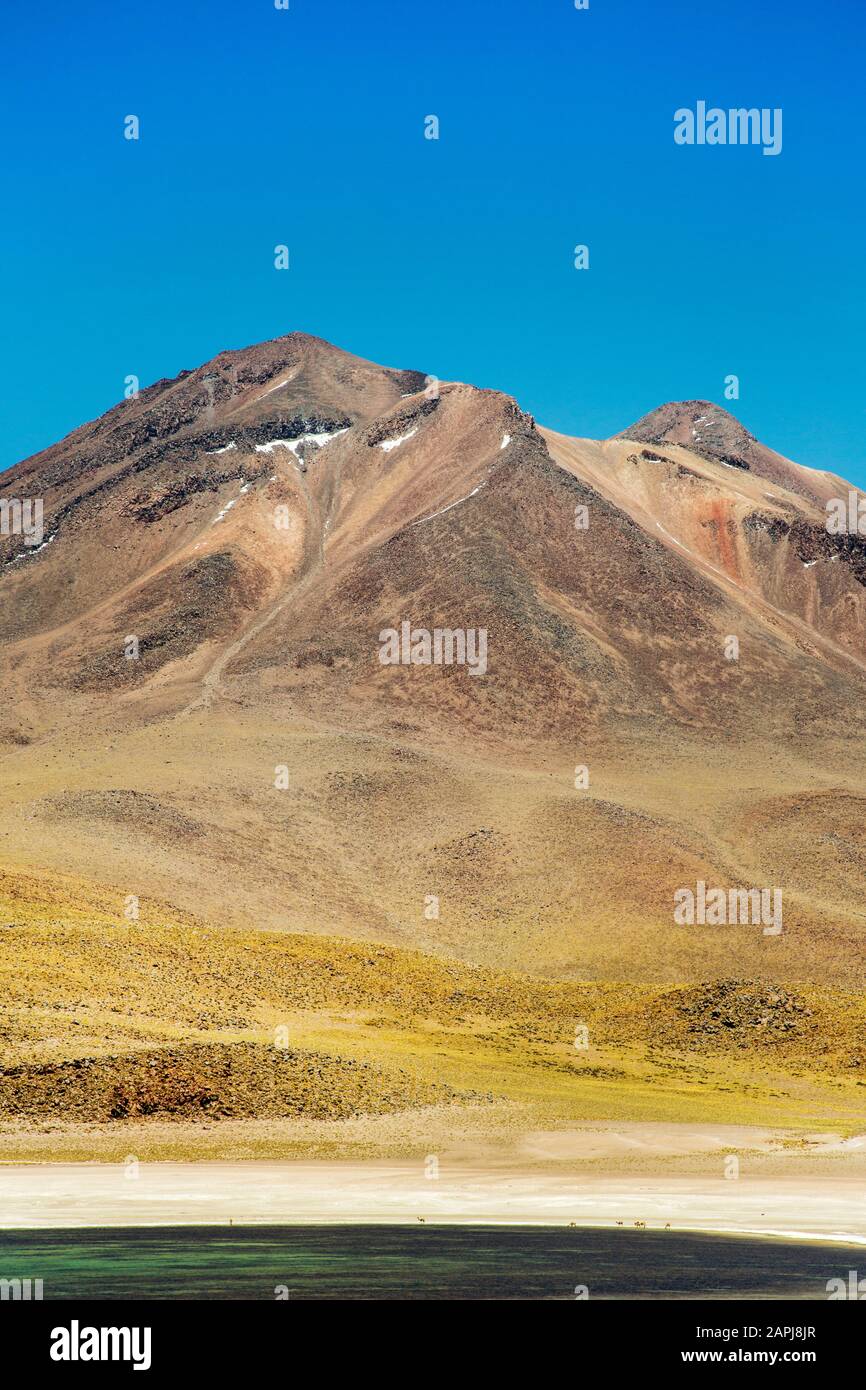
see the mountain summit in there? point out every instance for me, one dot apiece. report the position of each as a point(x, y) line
point(713, 433)
point(698, 425)
point(195, 697)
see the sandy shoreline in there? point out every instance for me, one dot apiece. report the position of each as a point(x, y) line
point(37, 1196)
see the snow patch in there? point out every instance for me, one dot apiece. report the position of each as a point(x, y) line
point(25, 554)
point(389, 444)
point(320, 440)
point(284, 382)
point(506, 440)
point(450, 505)
point(228, 506)
point(275, 444)
point(224, 450)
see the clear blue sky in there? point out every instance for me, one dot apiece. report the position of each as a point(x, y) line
point(454, 256)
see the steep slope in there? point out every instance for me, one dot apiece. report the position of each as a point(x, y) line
point(767, 545)
point(256, 525)
point(124, 495)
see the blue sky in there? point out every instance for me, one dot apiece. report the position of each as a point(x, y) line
point(306, 127)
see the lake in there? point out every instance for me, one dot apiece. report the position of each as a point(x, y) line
point(416, 1262)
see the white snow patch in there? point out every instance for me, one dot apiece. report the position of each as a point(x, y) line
point(275, 444)
point(323, 438)
point(807, 564)
point(228, 506)
point(389, 444)
point(284, 382)
point(34, 550)
point(506, 440)
point(223, 450)
point(450, 505)
point(320, 440)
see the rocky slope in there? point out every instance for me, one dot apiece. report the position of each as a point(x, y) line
point(195, 711)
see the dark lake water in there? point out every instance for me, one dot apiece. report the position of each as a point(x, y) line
point(424, 1262)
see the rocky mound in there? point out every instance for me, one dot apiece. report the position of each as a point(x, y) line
point(120, 806)
point(212, 1081)
point(700, 426)
point(738, 1013)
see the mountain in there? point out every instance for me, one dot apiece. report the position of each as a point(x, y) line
point(714, 434)
point(250, 528)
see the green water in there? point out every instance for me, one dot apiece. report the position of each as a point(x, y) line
point(403, 1262)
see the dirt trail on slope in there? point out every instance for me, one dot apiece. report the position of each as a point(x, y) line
point(313, 563)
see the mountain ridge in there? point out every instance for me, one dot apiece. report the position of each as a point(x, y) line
point(252, 526)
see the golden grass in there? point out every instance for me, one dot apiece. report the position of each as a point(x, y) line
point(78, 981)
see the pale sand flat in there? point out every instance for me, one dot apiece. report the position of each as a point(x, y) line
point(170, 1194)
